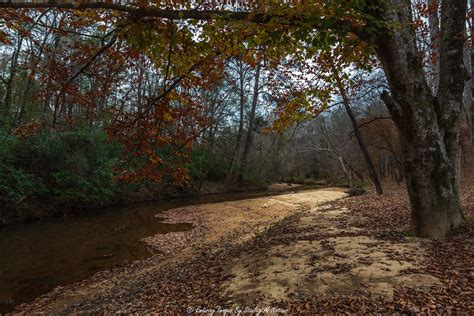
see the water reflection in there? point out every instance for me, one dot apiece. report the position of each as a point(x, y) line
point(36, 257)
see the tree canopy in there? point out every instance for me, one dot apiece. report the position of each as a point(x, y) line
point(310, 48)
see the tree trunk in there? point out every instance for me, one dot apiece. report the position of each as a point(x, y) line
point(35, 58)
point(248, 137)
point(347, 174)
point(7, 101)
point(432, 183)
point(428, 125)
point(335, 150)
point(357, 173)
point(275, 164)
point(235, 154)
point(400, 174)
point(433, 21)
point(472, 72)
point(466, 120)
point(370, 164)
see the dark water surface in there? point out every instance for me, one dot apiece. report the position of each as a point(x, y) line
point(36, 257)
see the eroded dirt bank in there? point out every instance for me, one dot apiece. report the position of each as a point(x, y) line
point(302, 252)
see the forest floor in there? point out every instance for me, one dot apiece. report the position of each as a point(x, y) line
point(306, 252)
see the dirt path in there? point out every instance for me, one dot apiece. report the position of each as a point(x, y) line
point(261, 252)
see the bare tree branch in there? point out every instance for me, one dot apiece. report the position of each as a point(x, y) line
point(371, 121)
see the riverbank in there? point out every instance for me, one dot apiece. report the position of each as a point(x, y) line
point(221, 225)
point(35, 211)
point(304, 252)
point(38, 256)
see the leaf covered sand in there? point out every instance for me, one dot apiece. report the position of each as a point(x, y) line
point(306, 252)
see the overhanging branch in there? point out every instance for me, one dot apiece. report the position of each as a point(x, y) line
point(136, 12)
point(139, 12)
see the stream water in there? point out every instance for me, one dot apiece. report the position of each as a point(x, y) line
point(36, 257)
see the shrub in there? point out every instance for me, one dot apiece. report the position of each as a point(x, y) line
point(16, 185)
point(70, 168)
point(206, 164)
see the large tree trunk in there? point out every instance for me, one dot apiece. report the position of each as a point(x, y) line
point(472, 72)
point(428, 125)
point(432, 180)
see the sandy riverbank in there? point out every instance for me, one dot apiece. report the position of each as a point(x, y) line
point(219, 223)
point(281, 251)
